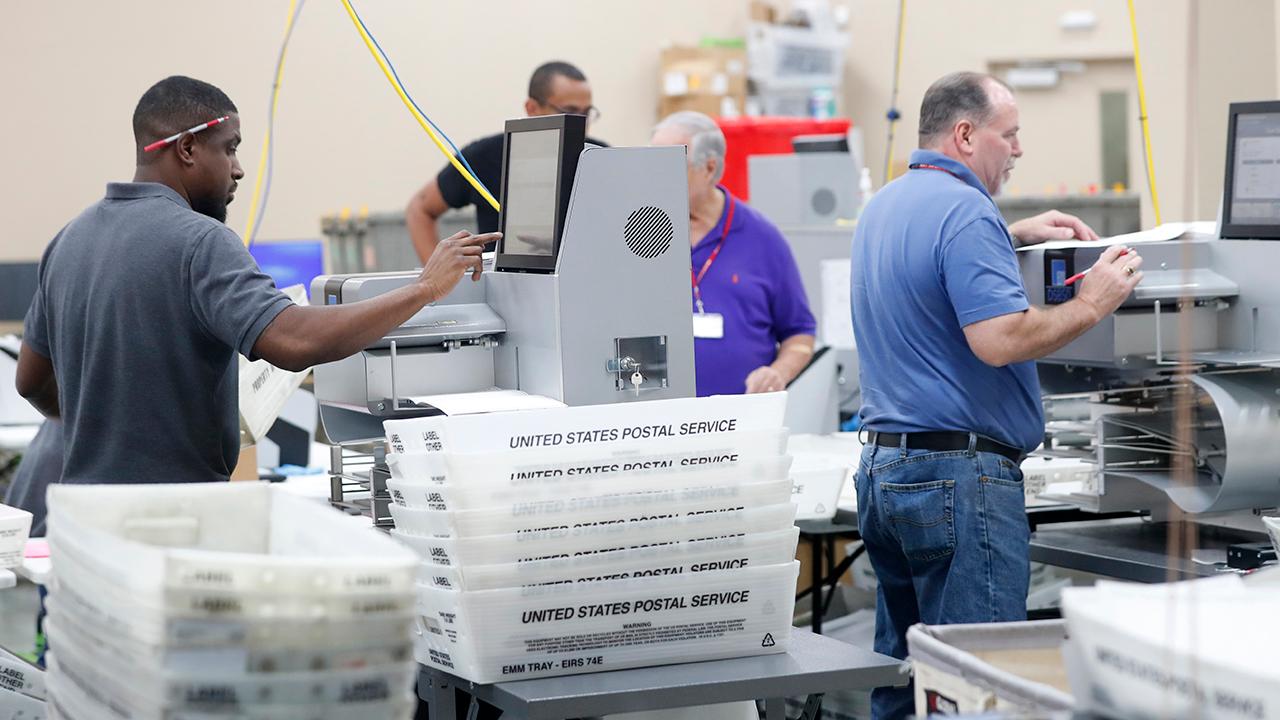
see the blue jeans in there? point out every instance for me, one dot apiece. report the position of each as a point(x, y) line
point(947, 535)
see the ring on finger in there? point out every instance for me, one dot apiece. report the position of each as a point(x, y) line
point(1128, 269)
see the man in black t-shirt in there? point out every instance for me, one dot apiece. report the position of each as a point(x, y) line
point(555, 88)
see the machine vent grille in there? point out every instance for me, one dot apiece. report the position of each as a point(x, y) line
point(649, 232)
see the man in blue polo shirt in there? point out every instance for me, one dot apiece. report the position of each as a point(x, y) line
point(947, 343)
point(752, 328)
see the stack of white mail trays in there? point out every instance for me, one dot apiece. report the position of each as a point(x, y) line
point(596, 538)
point(223, 600)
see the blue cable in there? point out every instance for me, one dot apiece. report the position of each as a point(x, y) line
point(412, 102)
point(271, 124)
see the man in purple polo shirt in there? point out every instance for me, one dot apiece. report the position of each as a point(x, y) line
point(752, 328)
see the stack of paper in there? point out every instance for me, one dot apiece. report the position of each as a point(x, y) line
point(1201, 649)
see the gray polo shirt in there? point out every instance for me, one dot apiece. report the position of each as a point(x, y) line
point(142, 306)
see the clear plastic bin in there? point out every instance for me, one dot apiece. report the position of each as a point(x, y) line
point(353, 654)
point(70, 698)
point(518, 633)
point(621, 509)
point(738, 551)
point(73, 568)
point(15, 526)
point(118, 619)
point(209, 691)
point(588, 425)
point(520, 494)
point(523, 547)
point(229, 537)
point(818, 481)
point(534, 467)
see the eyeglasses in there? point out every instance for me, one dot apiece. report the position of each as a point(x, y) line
point(591, 111)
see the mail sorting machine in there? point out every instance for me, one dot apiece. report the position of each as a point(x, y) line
point(1112, 395)
point(585, 302)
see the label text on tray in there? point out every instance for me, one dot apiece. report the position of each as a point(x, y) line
point(628, 607)
point(637, 432)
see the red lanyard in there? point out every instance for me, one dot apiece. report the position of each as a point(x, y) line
point(724, 233)
point(927, 166)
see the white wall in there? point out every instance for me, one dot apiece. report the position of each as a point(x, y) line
point(1236, 42)
point(74, 69)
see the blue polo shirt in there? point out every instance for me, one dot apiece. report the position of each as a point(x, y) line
point(755, 284)
point(932, 254)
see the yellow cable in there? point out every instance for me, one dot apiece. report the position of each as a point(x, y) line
point(266, 135)
point(897, 71)
point(416, 115)
point(1142, 110)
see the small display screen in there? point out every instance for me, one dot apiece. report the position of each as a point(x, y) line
point(1058, 266)
point(1058, 270)
point(1255, 196)
point(530, 207)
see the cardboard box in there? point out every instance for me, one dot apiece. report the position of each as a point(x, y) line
point(763, 12)
point(804, 553)
point(247, 466)
point(713, 105)
point(712, 81)
point(704, 71)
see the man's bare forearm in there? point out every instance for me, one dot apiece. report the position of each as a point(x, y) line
point(36, 381)
point(46, 400)
point(793, 355)
point(1047, 330)
point(311, 335)
point(423, 230)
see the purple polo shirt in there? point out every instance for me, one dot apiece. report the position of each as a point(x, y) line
point(755, 284)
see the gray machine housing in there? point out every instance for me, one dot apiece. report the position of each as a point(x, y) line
point(1145, 329)
point(811, 196)
point(1111, 395)
point(610, 324)
point(811, 188)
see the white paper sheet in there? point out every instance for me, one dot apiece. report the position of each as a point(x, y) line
point(487, 401)
point(1161, 233)
point(1203, 227)
point(837, 315)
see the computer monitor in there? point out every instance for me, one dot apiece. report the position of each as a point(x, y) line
point(289, 262)
point(539, 160)
point(1251, 189)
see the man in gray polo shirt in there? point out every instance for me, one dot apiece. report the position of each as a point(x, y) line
point(145, 299)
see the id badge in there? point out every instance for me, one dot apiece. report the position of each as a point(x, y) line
point(708, 325)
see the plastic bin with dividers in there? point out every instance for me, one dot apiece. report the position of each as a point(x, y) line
point(585, 539)
point(235, 600)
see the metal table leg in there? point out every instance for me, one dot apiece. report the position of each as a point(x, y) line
point(816, 619)
point(443, 704)
point(812, 707)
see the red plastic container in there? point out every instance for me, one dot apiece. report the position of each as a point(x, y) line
point(747, 136)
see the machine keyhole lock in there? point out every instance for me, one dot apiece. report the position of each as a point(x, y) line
point(639, 364)
point(622, 366)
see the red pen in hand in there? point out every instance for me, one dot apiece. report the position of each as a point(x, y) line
point(1072, 280)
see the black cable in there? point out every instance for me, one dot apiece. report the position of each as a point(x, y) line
point(839, 571)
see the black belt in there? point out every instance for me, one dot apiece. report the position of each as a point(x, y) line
point(944, 441)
